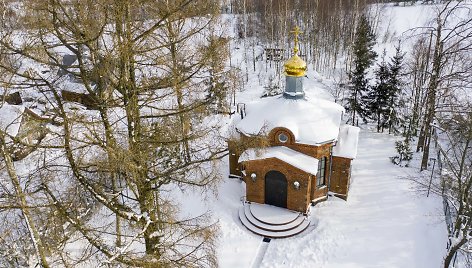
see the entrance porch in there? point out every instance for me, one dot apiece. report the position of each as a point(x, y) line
point(273, 222)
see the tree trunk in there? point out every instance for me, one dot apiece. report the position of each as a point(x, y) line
point(431, 96)
point(452, 251)
point(23, 203)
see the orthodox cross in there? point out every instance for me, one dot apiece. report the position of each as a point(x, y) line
point(296, 31)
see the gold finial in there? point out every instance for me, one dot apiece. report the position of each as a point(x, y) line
point(295, 66)
point(296, 31)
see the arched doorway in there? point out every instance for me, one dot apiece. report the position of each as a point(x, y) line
point(276, 189)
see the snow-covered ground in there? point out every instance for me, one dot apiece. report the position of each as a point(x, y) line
point(384, 223)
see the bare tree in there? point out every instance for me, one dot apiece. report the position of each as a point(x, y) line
point(19, 200)
point(454, 142)
point(440, 74)
point(328, 27)
point(451, 39)
point(144, 68)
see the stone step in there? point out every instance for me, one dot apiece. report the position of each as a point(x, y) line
point(271, 227)
point(272, 215)
point(271, 234)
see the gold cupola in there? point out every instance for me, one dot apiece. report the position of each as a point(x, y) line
point(295, 66)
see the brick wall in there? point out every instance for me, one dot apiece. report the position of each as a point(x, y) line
point(233, 160)
point(298, 200)
point(311, 150)
point(318, 191)
point(341, 175)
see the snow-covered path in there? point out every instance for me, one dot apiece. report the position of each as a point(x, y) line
point(383, 224)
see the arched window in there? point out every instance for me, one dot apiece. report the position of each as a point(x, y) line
point(320, 176)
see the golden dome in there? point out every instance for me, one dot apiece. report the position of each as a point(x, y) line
point(295, 66)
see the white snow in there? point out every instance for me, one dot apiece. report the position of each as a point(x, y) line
point(269, 233)
point(384, 222)
point(10, 118)
point(312, 121)
point(282, 223)
point(260, 255)
point(346, 146)
point(236, 245)
point(271, 214)
point(72, 86)
point(296, 159)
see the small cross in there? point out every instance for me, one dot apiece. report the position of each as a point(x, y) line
point(296, 31)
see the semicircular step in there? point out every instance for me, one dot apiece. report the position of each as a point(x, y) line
point(271, 234)
point(271, 227)
point(271, 214)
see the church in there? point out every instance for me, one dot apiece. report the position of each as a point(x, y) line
point(307, 153)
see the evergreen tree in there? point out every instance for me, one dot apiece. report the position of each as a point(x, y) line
point(364, 56)
point(378, 98)
point(394, 120)
point(395, 103)
point(384, 100)
point(403, 149)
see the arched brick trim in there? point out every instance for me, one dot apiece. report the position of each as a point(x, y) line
point(274, 134)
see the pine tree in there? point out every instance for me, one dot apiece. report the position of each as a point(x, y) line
point(394, 86)
point(384, 99)
point(405, 154)
point(364, 57)
point(378, 97)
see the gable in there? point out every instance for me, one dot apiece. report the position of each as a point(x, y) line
point(296, 159)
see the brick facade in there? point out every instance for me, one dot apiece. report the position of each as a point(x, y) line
point(337, 173)
point(297, 200)
point(233, 160)
point(316, 151)
point(340, 176)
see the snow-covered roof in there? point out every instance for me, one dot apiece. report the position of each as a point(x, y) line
point(296, 159)
point(10, 118)
point(347, 142)
point(312, 121)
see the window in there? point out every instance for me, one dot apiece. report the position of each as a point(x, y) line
point(283, 137)
point(320, 177)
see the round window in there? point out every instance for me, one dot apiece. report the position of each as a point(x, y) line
point(283, 137)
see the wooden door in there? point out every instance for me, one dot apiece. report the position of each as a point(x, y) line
point(276, 189)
